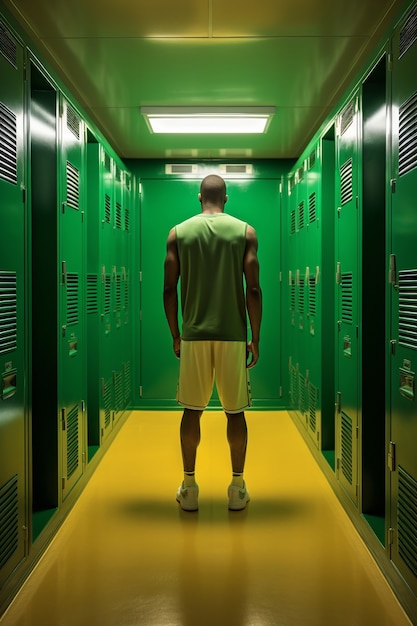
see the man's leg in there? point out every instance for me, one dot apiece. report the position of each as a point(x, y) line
point(190, 438)
point(237, 436)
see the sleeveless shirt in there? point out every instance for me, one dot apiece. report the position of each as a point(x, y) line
point(211, 249)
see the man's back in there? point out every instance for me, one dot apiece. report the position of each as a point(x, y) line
point(211, 249)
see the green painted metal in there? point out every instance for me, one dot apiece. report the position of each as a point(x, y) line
point(347, 295)
point(403, 294)
point(167, 202)
point(13, 341)
point(72, 351)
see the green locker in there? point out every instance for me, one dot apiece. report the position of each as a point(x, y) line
point(403, 277)
point(165, 203)
point(72, 305)
point(13, 347)
point(347, 302)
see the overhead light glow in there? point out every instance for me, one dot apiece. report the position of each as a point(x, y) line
point(208, 120)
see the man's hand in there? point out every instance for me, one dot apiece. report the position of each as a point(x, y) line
point(177, 346)
point(253, 347)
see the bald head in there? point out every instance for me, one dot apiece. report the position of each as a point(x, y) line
point(213, 191)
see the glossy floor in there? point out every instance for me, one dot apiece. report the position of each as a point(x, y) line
point(128, 556)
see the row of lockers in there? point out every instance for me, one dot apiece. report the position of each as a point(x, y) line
point(67, 207)
point(352, 296)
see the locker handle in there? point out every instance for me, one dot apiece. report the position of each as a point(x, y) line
point(8, 385)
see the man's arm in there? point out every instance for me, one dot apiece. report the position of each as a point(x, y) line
point(171, 277)
point(253, 292)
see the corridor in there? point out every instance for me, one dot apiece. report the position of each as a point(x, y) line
point(128, 556)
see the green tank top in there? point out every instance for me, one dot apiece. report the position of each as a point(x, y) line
point(211, 249)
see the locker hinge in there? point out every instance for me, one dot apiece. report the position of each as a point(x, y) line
point(102, 433)
point(390, 536)
point(140, 391)
point(318, 436)
point(140, 277)
point(64, 419)
point(24, 195)
point(63, 483)
point(392, 275)
point(83, 406)
point(391, 456)
point(140, 189)
point(389, 62)
point(25, 531)
point(280, 391)
point(140, 315)
point(357, 202)
point(103, 274)
point(339, 402)
point(280, 277)
point(393, 184)
point(83, 458)
point(357, 432)
point(338, 274)
point(393, 345)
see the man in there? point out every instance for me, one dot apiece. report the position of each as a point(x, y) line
point(212, 252)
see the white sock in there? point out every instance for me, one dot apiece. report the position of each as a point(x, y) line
point(189, 479)
point(237, 479)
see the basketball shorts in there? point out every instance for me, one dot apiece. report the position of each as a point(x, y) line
point(201, 363)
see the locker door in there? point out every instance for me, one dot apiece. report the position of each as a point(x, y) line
point(12, 307)
point(164, 204)
point(404, 302)
point(347, 348)
point(72, 308)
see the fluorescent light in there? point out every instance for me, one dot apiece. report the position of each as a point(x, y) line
point(208, 120)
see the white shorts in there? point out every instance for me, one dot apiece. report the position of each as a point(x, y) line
point(201, 363)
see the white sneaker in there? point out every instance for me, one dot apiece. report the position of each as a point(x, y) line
point(238, 497)
point(187, 497)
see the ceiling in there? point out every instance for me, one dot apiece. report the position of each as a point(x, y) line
point(297, 55)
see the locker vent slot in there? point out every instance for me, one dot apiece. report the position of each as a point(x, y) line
point(8, 46)
point(118, 391)
point(118, 292)
point(8, 145)
point(107, 404)
point(127, 219)
point(107, 294)
point(301, 215)
point(126, 294)
point(107, 162)
point(73, 186)
point(9, 520)
point(346, 182)
point(312, 299)
point(311, 160)
point(346, 117)
point(312, 208)
point(72, 441)
point(293, 387)
point(312, 407)
point(107, 209)
point(292, 222)
point(407, 142)
point(127, 382)
point(118, 217)
point(72, 298)
point(73, 122)
point(92, 293)
point(8, 312)
point(407, 519)
point(301, 294)
point(292, 294)
point(408, 34)
point(302, 394)
point(347, 448)
point(407, 318)
point(347, 298)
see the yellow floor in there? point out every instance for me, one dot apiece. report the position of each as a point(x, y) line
point(128, 556)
